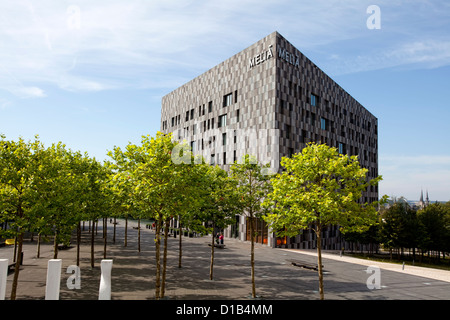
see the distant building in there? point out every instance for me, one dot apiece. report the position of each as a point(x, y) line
point(421, 204)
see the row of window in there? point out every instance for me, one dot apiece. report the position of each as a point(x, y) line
point(333, 109)
point(210, 123)
point(190, 114)
point(214, 159)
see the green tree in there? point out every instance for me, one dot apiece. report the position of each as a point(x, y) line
point(433, 219)
point(253, 185)
point(18, 164)
point(221, 203)
point(399, 227)
point(320, 187)
point(158, 184)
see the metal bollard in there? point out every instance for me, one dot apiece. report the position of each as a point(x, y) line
point(105, 280)
point(53, 279)
point(3, 276)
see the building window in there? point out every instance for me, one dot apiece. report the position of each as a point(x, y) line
point(210, 106)
point(224, 158)
point(235, 96)
point(213, 159)
point(314, 100)
point(341, 148)
point(290, 152)
point(237, 115)
point(192, 114)
point(288, 131)
point(187, 116)
point(228, 100)
point(173, 121)
point(323, 124)
point(222, 121)
point(224, 139)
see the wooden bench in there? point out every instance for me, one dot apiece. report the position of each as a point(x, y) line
point(305, 265)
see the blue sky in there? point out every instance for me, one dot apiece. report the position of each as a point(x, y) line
point(92, 73)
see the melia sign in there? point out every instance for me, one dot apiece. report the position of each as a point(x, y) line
point(260, 58)
point(283, 54)
point(289, 57)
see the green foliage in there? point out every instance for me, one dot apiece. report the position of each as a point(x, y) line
point(48, 190)
point(253, 185)
point(434, 221)
point(220, 197)
point(319, 187)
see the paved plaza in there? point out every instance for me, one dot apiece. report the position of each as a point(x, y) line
point(133, 272)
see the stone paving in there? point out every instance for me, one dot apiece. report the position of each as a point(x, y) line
point(133, 272)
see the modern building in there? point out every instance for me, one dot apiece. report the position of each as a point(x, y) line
point(269, 100)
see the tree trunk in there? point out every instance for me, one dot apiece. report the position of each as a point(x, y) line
point(252, 256)
point(158, 258)
point(212, 254)
point(92, 245)
point(114, 234)
point(126, 231)
point(139, 235)
point(319, 260)
point(38, 251)
point(15, 249)
point(17, 266)
point(55, 246)
point(180, 253)
point(78, 242)
point(166, 235)
point(105, 234)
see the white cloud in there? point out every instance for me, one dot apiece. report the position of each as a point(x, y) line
point(101, 45)
point(421, 54)
point(112, 41)
point(27, 92)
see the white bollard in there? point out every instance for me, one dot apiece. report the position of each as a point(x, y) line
point(3, 276)
point(53, 279)
point(105, 280)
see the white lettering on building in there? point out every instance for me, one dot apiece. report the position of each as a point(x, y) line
point(260, 58)
point(289, 57)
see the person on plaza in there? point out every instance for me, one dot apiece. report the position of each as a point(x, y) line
point(221, 238)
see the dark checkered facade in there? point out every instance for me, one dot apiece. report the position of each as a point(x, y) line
point(269, 100)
